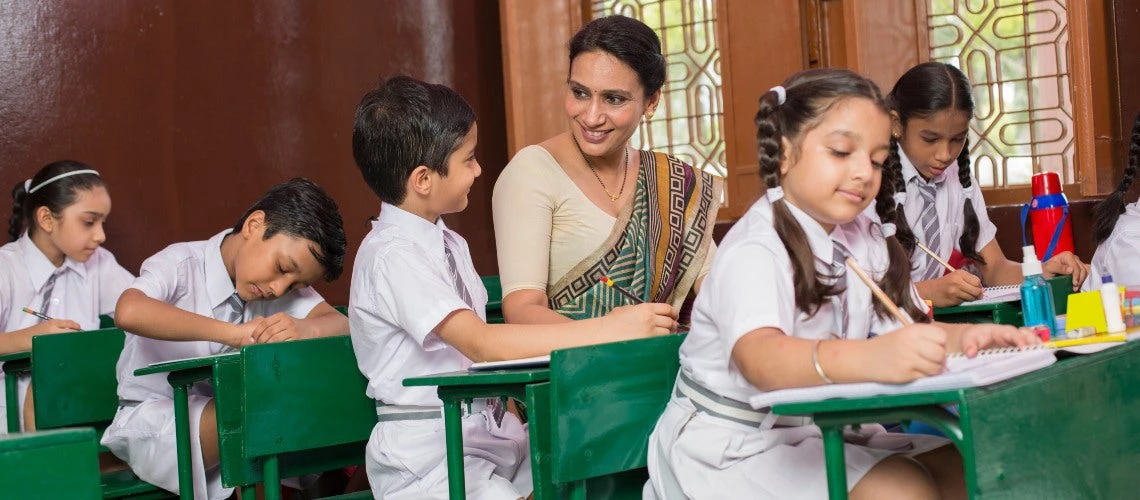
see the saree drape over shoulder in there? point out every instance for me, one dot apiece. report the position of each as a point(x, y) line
point(657, 247)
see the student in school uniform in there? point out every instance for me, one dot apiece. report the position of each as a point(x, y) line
point(780, 310)
point(55, 264)
point(417, 305)
point(931, 106)
point(248, 284)
point(1117, 229)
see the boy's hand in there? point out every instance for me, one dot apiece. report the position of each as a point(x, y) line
point(277, 328)
point(641, 320)
point(982, 336)
point(906, 354)
point(241, 335)
point(56, 326)
point(952, 289)
point(1066, 263)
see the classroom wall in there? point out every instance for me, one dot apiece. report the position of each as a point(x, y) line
point(190, 110)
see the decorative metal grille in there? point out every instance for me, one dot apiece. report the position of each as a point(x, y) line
point(689, 121)
point(1015, 53)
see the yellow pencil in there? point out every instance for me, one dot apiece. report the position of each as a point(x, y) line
point(879, 293)
point(1095, 339)
point(935, 256)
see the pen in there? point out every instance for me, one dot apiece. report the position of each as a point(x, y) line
point(36, 314)
point(610, 283)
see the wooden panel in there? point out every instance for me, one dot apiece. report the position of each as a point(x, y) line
point(883, 39)
point(535, 39)
point(760, 47)
point(1094, 115)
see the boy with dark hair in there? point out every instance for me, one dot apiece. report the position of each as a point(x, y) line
point(248, 284)
point(417, 305)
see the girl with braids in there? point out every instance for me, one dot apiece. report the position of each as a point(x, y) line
point(931, 106)
point(779, 310)
point(54, 263)
point(1117, 231)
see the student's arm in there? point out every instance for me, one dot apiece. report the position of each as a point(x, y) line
point(952, 289)
point(142, 315)
point(998, 270)
point(479, 341)
point(322, 321)
point(21, 340)
point(1067, 263)
point(530, 307)
point(969, 338)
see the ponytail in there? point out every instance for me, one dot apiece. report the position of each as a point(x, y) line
point(1109, 210)
point(969, 241)
point(896, 281)
point(55, 186)
point(16, 220)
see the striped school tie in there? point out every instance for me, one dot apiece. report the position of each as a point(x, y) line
point(237, 308)
point(453, 269)
point(49, 287)
point(839, 256)
point(929, 223)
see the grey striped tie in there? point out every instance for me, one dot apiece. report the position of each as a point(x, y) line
point(839, 271)
point(453, 269)
point(237, 308)
point(49, 287)
point(929, 223)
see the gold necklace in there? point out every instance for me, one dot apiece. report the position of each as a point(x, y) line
point(624, 171)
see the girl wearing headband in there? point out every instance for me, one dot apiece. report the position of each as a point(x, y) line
point(55, 264)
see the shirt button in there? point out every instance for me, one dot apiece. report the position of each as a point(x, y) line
point(54, 302)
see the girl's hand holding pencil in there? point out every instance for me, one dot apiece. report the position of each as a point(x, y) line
point(50, 325)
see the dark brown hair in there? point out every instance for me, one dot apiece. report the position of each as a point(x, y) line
point(1109, 210)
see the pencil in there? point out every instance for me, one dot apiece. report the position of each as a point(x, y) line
point(38, 315)
point(610, 283)
point(936, 257)
point(1095, 339)
point(879, 294)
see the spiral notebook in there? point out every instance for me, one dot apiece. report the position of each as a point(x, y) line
point(988, 367)
point(997, 295)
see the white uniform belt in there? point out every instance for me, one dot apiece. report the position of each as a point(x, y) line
point(391, 413)
point(704, 399)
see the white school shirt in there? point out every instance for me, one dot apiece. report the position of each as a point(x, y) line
point(948, 200)
point(82, 292)
point(1118, 253)
point(401, 290)
point(191, 276)
point(750, 286)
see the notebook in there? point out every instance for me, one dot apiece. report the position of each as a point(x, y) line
point(988, 367)
point(536, 361)
point(997, 295)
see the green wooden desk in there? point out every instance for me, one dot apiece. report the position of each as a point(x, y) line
point(1065, 431)
point(528, 385)
point(1005, 313)
point(50, 464)
point(182, 374)
point(15, 365)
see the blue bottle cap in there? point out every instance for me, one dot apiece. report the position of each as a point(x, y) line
point(1106, 278)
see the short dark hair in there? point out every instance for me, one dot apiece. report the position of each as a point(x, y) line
point(55, 195)
point(402, 124)
point(627, 39)
point(300, 208)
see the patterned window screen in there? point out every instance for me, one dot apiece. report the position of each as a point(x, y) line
point(1015, 54)
point(689, 120)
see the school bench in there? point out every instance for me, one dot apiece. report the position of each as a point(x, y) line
point(1065, 431)
point(50, 464)
point(16, 364)
point(283, 410)
point(494, 299)
point(590, 415)
point(74, 385)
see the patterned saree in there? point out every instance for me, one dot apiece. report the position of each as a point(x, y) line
point(658, 245)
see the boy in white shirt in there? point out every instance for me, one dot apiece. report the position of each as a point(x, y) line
point(248, 284)
point(417, 305)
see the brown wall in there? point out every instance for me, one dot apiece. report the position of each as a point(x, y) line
point(192, 109)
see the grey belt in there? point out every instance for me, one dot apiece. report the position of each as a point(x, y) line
point(704, 399)
point(393, 413)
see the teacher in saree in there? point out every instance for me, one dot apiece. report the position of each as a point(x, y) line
point(585, 203)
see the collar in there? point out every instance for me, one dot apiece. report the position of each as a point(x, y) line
point(40, 268)
point(419, 229)
point(909, 172)
point(219, 286)
point(818, 239)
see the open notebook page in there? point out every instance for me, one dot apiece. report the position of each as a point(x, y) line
point(997, 295)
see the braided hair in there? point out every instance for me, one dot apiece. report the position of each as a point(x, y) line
point(1109, 210)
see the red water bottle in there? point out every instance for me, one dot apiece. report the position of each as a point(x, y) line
point(1049, 212)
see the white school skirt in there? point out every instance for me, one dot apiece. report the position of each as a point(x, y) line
point(696, 455)
point(407, 460)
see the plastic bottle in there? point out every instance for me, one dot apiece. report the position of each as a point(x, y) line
point(1110, 299)
point(1036, 294)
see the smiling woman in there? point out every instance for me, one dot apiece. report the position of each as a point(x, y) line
point(585, 203)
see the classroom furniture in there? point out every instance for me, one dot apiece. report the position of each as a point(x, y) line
point(575, 451)
point(283, 409)
point(494, 299)
point(1004, 313)
point(16, 364)
point(1065, 431)
point(50, 464)
point(74, 385)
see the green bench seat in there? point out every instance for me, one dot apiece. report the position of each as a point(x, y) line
point(50, 464)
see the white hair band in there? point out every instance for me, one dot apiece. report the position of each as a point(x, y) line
point(781, 94)
point(889, 229)
point(56, 178)
point(774, 194)
point(899, 197)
